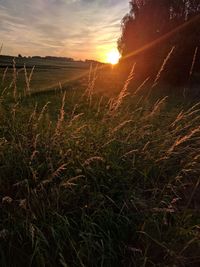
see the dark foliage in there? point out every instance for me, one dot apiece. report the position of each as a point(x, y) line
point(152, 28)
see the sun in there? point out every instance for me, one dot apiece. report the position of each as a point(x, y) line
point(113, 57)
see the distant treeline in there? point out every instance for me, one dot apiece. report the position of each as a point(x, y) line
point(65, 59)
point(69, 59)
point(47, 62)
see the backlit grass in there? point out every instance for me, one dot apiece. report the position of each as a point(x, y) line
point(86, 180)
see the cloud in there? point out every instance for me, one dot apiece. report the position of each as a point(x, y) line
point(77, 28)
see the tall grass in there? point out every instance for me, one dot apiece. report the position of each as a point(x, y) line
point(89, 181)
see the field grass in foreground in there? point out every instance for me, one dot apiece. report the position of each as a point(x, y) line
point(91, 181)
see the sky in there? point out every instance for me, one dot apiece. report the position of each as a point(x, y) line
point(82, 29)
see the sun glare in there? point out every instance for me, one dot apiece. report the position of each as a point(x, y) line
point(113, 57)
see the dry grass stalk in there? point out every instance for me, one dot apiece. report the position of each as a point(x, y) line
point(193, 61)
point(93, 159)
point(145, 146)
point(193, 108)
point(124, 92)
point(60, 87)
point(4, 75)
point(74, 118)
point(59, 170)
point(33, 114)
point(110, 104)
point(74, 110)
point(34, 147)
point(157, 106)
point(3, 91)
point(28, 80)
point(78, 130)
point(129, 153)
point(14, 109)
point(62, 115)
point(141, 86)
point(99, 106)
point(70, 182)
point(186, 115)
point(163, 67)
point(14, 80)
point(43, 110)
point(92, 77)
point(179, 129)
point(194, 112)
point(90, 73)
point(121, 125)
point(183, 139)
point(178, 118)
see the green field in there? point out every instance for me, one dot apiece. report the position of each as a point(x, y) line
point(47, 73)
point(91, 175)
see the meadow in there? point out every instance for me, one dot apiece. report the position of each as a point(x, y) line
point(47, 73)
point(95, 173)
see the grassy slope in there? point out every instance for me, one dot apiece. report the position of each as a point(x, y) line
point(85, 181)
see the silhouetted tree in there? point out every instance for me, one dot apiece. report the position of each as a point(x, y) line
point(152, 28)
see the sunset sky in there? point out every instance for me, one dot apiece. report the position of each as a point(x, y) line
point(75, 28)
